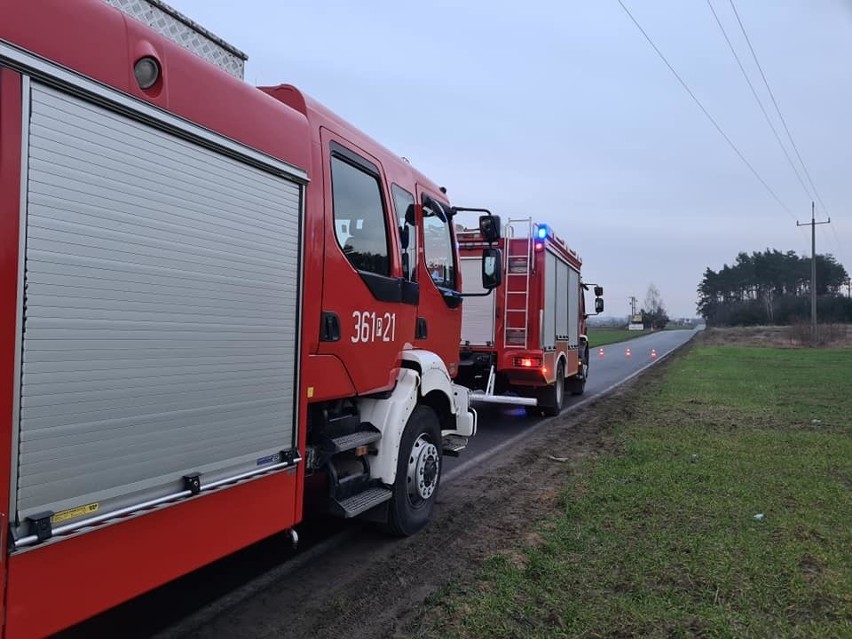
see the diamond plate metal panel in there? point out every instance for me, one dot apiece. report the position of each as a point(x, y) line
point(180, 29)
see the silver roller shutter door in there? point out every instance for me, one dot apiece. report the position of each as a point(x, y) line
point(562, 295)
point(477, 312)
point(548, 335)
point(573, 307)
point(161, 311)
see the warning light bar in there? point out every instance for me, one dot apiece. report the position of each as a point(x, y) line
point(542, 232)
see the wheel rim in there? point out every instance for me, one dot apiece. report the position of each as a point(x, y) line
point(424, 467)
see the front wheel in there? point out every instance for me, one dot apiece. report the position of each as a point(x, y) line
point(418, 473)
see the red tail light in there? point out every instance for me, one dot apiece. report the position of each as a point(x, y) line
point(528, 362)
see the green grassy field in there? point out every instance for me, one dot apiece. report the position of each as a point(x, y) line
point(727, 513)
point(599, 336)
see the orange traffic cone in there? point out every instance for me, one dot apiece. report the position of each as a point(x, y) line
point(653, 353)
point(627, 354)
point(601, 353)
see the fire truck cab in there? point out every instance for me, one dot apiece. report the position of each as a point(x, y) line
point(382, 283)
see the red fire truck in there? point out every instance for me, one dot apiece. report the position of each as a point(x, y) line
point(526, 344)
point(211, 296)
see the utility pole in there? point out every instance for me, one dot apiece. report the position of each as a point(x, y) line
point(632, 305)
point(813, 225)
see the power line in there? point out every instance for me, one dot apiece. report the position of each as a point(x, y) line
point(759, 101)
point(786, 128)
point(706, 112)
point(777, 108)
point(840, 255)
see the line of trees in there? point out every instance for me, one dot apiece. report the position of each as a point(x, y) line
point(772, 287)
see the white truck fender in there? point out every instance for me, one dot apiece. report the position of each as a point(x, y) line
point(390, 416)
point(434, 377)
point(433, 373)
point(466, 418)
point(424, 373)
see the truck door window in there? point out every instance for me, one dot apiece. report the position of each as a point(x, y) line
point(359, 217)
point(438, 246)
point(402, 200)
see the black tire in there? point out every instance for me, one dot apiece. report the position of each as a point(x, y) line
point(419, 462)
point(553, 396)
point(577, 384)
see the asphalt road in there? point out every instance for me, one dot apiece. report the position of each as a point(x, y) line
point(501, 423)
point(184, 604)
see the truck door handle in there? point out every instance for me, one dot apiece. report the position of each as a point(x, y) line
point(329, 327)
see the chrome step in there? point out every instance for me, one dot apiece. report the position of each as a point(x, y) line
point(452, 445)
point(362, 502)
point(351, 441)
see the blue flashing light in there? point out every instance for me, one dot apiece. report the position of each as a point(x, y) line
point(542, 232)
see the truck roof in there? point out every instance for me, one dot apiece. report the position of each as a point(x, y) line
point(319, 115)
point(472, 239)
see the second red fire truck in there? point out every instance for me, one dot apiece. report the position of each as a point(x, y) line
point(526, 344)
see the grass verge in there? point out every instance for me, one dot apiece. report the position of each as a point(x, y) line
point(727, 513)
point(603, 336)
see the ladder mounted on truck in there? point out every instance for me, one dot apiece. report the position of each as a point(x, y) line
point(516, 302)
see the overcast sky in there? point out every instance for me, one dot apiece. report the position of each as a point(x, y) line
point(560, 110)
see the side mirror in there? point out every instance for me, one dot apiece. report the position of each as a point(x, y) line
point(598, 293)
point(410, 215)
point(492, 268)
point(489, 226)
point(599, 304)
point(403, 237)
point(435, 208)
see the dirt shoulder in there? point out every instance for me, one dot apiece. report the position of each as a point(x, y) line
point(372, 586)
point(795, 336)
